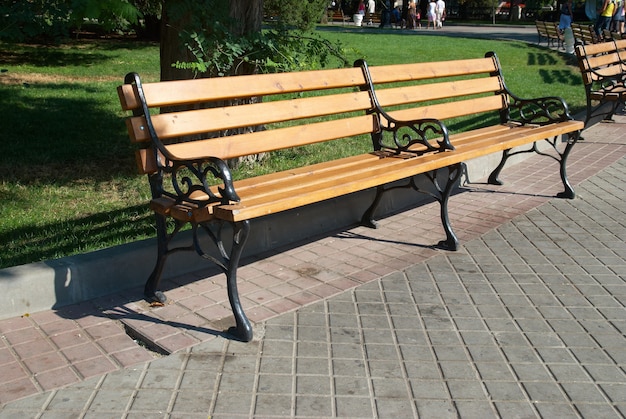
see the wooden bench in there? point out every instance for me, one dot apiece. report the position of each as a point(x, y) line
point(607, 35)
point(584, 34)
point(549, 31)
point(542, 32)
point(603, 69)
point(395, 111)
point(337, 16)
point(372, 18)
point(555, 36)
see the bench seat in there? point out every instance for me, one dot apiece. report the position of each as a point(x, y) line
point(268, 194)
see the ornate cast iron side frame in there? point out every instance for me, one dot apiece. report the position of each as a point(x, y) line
point(404, 136)
point(188, 177)
point(538, 111)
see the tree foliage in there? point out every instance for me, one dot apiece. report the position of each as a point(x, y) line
point(213, 34)
point(50, 20)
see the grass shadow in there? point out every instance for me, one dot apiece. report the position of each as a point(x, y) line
point(39, 242)
point(59, 133)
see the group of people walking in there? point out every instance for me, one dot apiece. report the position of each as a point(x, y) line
point(435, 13)
point(610, 16)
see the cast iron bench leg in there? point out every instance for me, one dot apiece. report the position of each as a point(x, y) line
point(569, 190)
point(435, 191)
point(151, 293)
point(451, 242)
point(228, 263)
point(494, 177)
point(367, 220)
point(243, 329)
point(572, 138)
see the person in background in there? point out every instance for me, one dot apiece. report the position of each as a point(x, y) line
point(412, 21)
point(440, 13)
point(617, 24)
point(396, 17)
point(369, 12)
point(385, 15)
point(605, 15)
point(431, 14)
point(567, 16)
point(361, 7)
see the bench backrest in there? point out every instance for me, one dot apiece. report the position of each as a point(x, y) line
point(298, 108)
point(552, 30)
point(541, 28)
point(584, 34)
point(601, 61)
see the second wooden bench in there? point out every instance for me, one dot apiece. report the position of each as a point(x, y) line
point(603, 69)
point(399, 110)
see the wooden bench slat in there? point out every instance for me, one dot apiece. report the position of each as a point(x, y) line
point(262, 141)
point(180, 92)
point(436, 91)
point(201, 121)
point(452, 110)
point(602, 59)
point(428, 71)
point(617, 94)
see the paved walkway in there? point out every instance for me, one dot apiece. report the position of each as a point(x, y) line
point(527, 319)
point(526, 33)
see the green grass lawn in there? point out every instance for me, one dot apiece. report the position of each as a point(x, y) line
point(67, 174)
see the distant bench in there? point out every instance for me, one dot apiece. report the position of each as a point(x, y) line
point(398, 109)
point(549, 31)
point(584, 33)
point(337, 16)
point(603, 69)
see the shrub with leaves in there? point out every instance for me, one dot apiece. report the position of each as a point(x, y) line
point(287, 42)
point(52, 20)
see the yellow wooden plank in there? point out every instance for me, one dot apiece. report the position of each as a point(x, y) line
point(608, 59)
point(443, 111)
point(173, 93)
point(175, 124)
point(420, 71)
point(274, 139)
point(128, 97)
point(437, 91)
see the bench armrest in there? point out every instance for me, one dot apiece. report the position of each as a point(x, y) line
point(413, 136)
point(539, 111)
point(191, 181)
point(606, 84)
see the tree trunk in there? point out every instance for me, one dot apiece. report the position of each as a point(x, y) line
point(248, 18)
point(172, 48)
point(248, 14)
